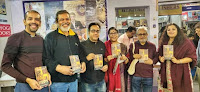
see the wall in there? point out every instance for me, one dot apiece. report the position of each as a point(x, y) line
point(150, 13)
point(3, 40)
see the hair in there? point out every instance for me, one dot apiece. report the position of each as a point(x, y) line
point(197, 25)
point(179, 39)
point(142, 28)
point(112, 28)
point(61, 12)
point(92, 24)
point(31, 11)
point(131, 28)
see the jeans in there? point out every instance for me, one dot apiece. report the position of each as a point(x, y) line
point(24, 87)
point(97, 87)
point(139, 83)
point(64, 86)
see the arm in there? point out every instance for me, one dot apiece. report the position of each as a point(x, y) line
point(10, 53)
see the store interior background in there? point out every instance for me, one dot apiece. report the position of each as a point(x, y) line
point(15, 15)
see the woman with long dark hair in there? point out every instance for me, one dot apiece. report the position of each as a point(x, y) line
point(175, 73)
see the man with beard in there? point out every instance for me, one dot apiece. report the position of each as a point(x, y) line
point(143, 76)
point(58, 46)
point(23, 52)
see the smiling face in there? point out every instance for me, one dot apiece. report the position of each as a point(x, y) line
point(94, 33)
point(64, 22)
point(172, 31)
point(32, 22)
point(113, 35)
point(142, 35)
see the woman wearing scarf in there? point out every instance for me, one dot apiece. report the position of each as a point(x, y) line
point(115, 80)
point(175, 73)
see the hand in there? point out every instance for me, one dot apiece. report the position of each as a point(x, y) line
point(33, 84)
point(49, 79)
point(149, 61)
point(104, 68)
point(90, 56)
point(66, 70)
point(162, 59)
point(123, 57)
point(83, 67)
point(110, 57)
point(174, 60)
point(137, 56)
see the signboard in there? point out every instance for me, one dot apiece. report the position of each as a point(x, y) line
point(5, 30)
point(175, 9)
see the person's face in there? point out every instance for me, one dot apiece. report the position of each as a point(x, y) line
point(198, 31)
point(64, 22)
point(130, 34)
point(113, 35)
point(142, 35)
point(94, 33)
point(172, 31)
point(72, 17)
point(32, 21)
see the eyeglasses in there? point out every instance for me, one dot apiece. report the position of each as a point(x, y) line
point(113, 33)
point(145, 34)
point(93, 31)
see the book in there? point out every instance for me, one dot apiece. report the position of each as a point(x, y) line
point(75, 63)
point(168, 52)
point(98, 61)
point(144, 54)
point(116, 50)
point(42, 74)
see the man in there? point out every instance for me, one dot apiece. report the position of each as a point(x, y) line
point(127, 38)
point(23, 52)
point(143, 76)
point(58, 46)
point(93, 80)
point(74, 23)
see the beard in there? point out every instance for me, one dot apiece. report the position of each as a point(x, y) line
point(143, 40)
point(65, 29)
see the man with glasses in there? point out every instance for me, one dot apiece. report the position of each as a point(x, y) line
point(143, 76)
point(93, 79)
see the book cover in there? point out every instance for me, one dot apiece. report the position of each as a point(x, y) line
point(41, 74)
point(75, 63)
point(98, 61)
point(116, 50)
point(168, 51)
point(144, 54)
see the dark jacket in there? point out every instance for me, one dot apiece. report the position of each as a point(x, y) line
point(57, 49)
point(91, 75)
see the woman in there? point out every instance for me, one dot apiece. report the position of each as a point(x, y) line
point(175, 73)
point(115, 81)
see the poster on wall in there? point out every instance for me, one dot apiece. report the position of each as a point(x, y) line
point(82, 13)
point(2, 7)
point(77, 14)
point(5, 30)
point(96, 12)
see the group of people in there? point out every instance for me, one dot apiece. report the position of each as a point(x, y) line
point(26, 50)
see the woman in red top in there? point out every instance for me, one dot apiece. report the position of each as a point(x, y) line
point(175, 73)
point(115, 81)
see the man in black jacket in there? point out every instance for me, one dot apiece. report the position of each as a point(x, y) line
point(58, 46)
point(93, 79)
